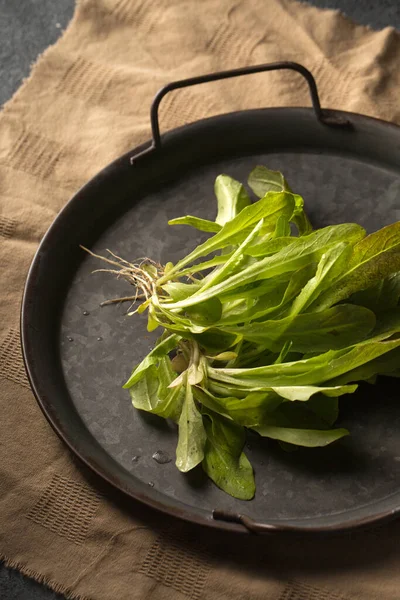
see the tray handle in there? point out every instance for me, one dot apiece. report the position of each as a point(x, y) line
point(326, 119)
point(255, 527)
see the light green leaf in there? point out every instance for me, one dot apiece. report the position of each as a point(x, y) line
point(232, 262)
point(178, 291)
point(312, 371)
point(233, 232)
point(262, 180)
point(152, 321)
point(171, 406)
point(165, 375)
point(192, 435)
point(332, 262)
point(161, 349)
point(279, 295)
point(232, 198)
point(385, 364)
point(270, 246)
point(302, 437)
point(204, 266)
point(197, 223)
point(308, 249)
point(224, 356)
point(170, 400)
point(151, 393)
point(282, 228)
point(178, 322)
point(299, 217)
point(303, 393)
point(224, 460)
point(144, 392)
point(150, 269)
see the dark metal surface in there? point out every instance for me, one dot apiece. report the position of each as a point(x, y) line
point(79, 354)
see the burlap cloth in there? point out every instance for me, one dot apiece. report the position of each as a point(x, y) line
point(87, 102)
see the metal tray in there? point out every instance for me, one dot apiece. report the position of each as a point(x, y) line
point(77, 355)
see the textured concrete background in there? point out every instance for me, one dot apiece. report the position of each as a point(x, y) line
point(27, 27)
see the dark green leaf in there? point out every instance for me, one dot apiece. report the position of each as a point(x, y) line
point(374, 258)
point(254, 409)
point(205, 313)
point(224, 460)
point(326, 408)
point(330, 329)
point(381, 296)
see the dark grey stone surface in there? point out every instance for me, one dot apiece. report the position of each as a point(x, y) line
point(27, 27)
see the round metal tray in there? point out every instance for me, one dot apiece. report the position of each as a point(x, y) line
point(77, 354)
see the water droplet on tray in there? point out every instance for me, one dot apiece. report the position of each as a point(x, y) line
point(162, 458)
point(86, 313)
point(70, 339)
point(135, 459)
point(99, 338)
point(151, 483)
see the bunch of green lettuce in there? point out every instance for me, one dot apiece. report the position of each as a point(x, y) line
point(269, 330)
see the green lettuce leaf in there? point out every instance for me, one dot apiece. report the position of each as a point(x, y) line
point(311, 371)
point(331, 329)
point(232, 198)
point(262, 180)
point(192, 435)
point(308, 249)
point(151, 392)
point(373, 258)
point(162, 348)
point(235, 231)
point(224, 460)
point(302, 437)
point(197, 223)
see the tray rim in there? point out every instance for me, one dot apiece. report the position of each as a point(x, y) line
point(235, 522)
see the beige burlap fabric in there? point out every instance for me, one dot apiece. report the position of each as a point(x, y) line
point(86, 102)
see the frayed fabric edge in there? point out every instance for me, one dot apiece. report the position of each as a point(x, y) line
point(41, 579)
